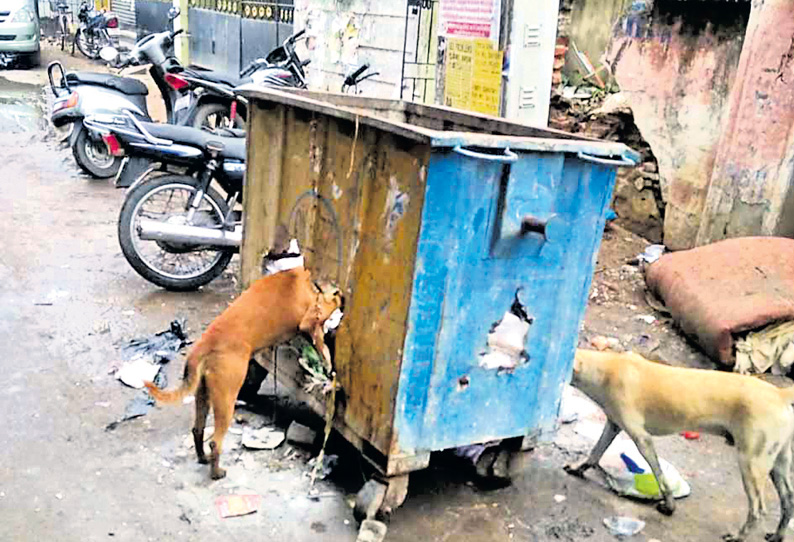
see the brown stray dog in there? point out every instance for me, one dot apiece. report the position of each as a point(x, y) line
point(271, 311)
point(644, 399)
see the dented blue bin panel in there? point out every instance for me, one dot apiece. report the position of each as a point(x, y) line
point(459, 385)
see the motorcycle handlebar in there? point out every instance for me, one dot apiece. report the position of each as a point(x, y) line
point(294, 37)
point(355, 75)
point(175, 34)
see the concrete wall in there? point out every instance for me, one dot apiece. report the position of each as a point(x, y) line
point(347, 33)
point(751, 190)
point(677, 75)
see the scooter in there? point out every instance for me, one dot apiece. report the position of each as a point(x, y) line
point(174, 229)
point(79, 94)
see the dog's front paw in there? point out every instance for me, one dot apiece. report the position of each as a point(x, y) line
point(730, 537)
point(577, 469)
point(773, 537)
point(665, 509)
point(218, 473)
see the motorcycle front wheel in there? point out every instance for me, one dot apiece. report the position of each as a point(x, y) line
point(90, 43)
point(173, 266)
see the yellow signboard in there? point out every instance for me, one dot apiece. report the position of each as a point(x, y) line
point(473, 75)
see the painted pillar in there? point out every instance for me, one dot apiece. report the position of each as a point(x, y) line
point(181, 43)
point(751, 184)
point(531, 61)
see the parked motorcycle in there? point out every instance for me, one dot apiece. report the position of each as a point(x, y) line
point(79, 94)
point(174, 228)
point(214, 91)
point(92, 33)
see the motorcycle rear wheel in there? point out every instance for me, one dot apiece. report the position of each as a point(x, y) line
point(94, 157)
point(162, 263)
point(215, 115)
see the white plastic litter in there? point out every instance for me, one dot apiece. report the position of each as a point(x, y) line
point(652, 253)
point(136, 371)
point(265, 438)
point(333, 321)
point(623, 527)
point(506, 343)
point(629, 475)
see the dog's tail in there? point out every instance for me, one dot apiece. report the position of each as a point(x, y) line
point(194, 371)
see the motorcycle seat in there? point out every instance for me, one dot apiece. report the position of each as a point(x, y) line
point(233, 147)
point(220, 77)
point(125, 85)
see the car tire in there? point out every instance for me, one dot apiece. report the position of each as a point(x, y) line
point(33, 60)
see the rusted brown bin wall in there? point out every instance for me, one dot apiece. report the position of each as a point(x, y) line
point(352, 241)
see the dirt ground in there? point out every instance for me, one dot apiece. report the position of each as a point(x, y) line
point(69, 300)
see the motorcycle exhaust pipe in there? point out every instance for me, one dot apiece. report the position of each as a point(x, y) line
point(153, 230)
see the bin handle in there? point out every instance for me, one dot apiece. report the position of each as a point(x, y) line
point(624, 161)
point(508, 156)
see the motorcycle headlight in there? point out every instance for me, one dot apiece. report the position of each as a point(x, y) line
point(24, 15)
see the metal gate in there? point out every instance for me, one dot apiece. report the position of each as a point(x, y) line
point(226, 35)
point(420, 51)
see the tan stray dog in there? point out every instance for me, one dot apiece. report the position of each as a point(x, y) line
point(271, 311)
point(647, 399)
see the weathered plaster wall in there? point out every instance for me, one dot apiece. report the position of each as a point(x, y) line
point(677, 77)
point(347, 33)
point(751, 189)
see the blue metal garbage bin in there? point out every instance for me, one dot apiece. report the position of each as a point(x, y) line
point(464, 244)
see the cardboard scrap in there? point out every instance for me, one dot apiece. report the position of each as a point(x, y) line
point(230, 506)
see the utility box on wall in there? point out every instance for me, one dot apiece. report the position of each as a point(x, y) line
point(530, 61)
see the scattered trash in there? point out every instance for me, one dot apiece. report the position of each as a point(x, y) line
point(623, 527)
point(647, 318)
point(371, 531)
point(102, 404)
point(602, 343)
point(265, 438)
point(51, 298)
point(144, 355)
point(559, 498)
point(329, 464)
point(611, 215)
point(59, 496)
point(691, 435)
point(652, 253)
point(769, 348)
point(134, 373)
point(230, 506)
point(300, 434)
point(333, 321)
point(507, 339)
point(140, 404)
point(161, 347)
point(629, 475)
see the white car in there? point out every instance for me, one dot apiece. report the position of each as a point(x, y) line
point(20, 29)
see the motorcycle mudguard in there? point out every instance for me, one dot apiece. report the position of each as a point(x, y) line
point(133, 169)
point(78, 127)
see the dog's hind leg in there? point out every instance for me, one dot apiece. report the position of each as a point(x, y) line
point(752, 478)
point(644, 444)
point(224, 384)
point(202, 409)
point(781, 477)
point(611, 430)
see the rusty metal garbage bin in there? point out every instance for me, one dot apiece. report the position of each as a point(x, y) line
point(435, 223)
